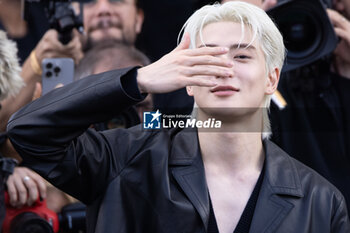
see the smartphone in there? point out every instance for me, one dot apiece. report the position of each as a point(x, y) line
point(56, 71)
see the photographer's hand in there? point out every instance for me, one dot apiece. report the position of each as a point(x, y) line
point(342, 29)
point(184, 67)
point(25, 186)
point(50, 47)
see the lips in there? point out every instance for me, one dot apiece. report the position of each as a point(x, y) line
point(222, 88)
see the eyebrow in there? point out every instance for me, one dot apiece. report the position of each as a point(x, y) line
point(234, 46)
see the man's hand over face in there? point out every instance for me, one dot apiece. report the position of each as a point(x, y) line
point(185, 67)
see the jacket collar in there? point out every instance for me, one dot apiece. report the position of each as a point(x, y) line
point(281, 180)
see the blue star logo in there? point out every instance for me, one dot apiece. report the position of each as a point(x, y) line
point(152, 120)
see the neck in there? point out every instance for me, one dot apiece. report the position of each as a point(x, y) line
point(238, 144)
point(232, 152)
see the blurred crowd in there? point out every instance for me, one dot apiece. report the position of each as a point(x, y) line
point(310, 118)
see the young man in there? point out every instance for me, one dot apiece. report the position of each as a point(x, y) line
point(182, 180)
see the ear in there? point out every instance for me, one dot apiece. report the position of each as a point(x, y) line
point(272, 81)
point(189, 90)
point(139, 20)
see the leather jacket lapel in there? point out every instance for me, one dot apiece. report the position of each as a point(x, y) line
point(281, 181)
point(188, 170)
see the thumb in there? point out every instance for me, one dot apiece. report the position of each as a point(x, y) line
point(185, 43)
point(37, 91)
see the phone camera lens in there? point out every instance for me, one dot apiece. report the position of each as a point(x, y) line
point(48, 74)
point(57, 69)
point(49, 65)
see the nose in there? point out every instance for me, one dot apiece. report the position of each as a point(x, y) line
point(103, 8)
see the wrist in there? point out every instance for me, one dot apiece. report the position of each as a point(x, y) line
point(139, 80)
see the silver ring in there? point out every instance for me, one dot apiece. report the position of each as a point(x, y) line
point(26, 178)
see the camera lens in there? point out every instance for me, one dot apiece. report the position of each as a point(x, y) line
point(48, 74)
point(57, 69)
point(301, 30)
point(49, 65)
point(307, 31)
point(29, 222)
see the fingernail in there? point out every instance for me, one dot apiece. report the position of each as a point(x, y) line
point(230, 63)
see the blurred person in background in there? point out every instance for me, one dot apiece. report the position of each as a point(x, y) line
point(25, 32)
point(110, 19)
point(103, 19)
point(109, 55)
point(23, 186)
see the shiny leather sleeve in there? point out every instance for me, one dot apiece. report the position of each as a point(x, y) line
point(51, 133)
point(340, 221)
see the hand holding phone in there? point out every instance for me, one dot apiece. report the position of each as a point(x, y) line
point(56, 72)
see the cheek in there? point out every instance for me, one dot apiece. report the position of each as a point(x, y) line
point(88, 16)
point(128, 14)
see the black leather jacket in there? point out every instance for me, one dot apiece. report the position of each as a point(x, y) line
point(154, 181)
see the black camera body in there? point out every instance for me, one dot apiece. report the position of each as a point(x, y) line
point(61, 17)
point(307, 31)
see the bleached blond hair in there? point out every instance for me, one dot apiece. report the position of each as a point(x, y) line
point(10, 79)
point(262, 27)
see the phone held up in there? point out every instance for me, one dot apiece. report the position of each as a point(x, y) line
point(56, 72)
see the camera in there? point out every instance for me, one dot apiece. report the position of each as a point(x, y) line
point(61, 16)
point(307, 31)
point(28, 219)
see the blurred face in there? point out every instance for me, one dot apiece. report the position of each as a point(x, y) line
point(112, 19)
point(250, 83)
point(343, 7)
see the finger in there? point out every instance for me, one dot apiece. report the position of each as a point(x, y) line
point(59, 85)
point(12, 191)
point(336, 18)
point(203, 81)
point(213, 51)
point(51, 40)
point(208, 60)
point(40, 182)
point(41, 185)
point(37, 92)
point(342, 34)
point(21, 191)
point(185, 43)
point(33, 192)
point(207, 70)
